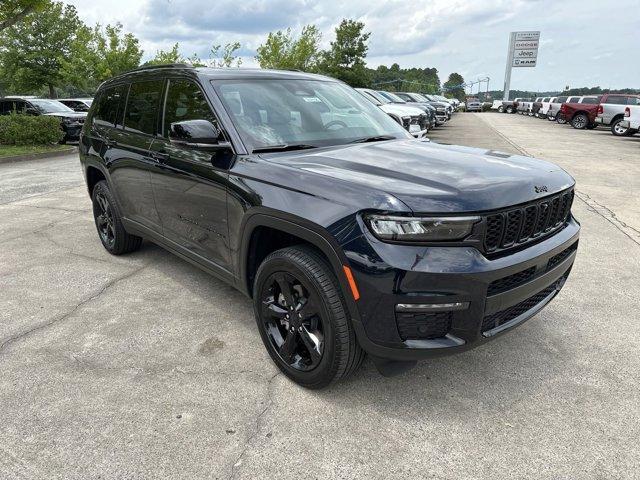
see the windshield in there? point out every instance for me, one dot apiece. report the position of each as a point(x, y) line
point(276, 112)
point(393, 97)
point(49, 106)
point(419, 97)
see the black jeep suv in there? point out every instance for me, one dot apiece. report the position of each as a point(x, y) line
point(349, 235)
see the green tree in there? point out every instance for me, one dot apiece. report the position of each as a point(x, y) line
point(454, 87)
point(225, 58)
point(345, 58)
point(100, 53)
point(219, 57)
point(14, 11)
point(167, 56)
point(283, 51)
point(33, 53)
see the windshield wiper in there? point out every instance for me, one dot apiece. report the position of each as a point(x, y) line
point(376, 138)
point(283, 148)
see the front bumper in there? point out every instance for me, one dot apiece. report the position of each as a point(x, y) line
point(464, 280)
point(71, 131)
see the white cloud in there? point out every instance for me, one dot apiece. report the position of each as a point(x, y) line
point(582, 42)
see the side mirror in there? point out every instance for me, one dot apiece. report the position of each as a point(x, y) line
point(197, 134)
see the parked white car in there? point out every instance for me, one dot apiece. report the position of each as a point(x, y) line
point(554, 108)
point(546, 103)
point(409, 117)
point(631, 118)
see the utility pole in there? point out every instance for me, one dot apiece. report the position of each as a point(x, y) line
point(507, 72)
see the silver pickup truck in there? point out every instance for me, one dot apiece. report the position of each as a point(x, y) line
point(611, 112)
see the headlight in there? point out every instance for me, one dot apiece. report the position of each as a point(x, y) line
point(420, 229)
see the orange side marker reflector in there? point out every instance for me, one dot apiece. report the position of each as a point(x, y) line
point(352, 282)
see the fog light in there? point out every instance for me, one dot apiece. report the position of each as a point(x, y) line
point(431, 307)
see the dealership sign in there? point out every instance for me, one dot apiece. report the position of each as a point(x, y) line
point(523, 52)
point(523, 47)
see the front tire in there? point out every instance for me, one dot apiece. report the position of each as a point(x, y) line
point(113, 236)
point(500, 109)
point(560, 119)
point(302, 318)
point(509, 109)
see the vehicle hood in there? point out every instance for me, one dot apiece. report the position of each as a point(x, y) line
point(75, 115)
point(432, 178)
point(400, 109)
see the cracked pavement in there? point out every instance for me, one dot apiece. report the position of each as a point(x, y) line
point(143, 366)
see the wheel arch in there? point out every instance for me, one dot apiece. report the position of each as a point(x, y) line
point(93, 176)
point(251, 252)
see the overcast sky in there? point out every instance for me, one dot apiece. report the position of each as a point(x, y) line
point(583, 42)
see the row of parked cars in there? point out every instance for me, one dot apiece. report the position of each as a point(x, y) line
point(71, 111)
point(619, 112)
point(417, 113)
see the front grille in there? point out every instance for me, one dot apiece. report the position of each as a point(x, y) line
point(512, 281)
point(423, 326)
point(527, 223)
point(500, 318)
point(421, 120)
point(560, 257)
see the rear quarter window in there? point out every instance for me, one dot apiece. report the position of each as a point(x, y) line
point(143, 104)
point(109, 106)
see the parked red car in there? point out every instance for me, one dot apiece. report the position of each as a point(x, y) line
point(581, 114)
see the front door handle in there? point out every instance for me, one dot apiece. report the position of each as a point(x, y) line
point(159, 156)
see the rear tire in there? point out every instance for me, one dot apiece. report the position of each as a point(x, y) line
point(111, 232)
point(618, 130)
point(302, 318)
point(580, 121)
point(509, 109)
point(500, 109)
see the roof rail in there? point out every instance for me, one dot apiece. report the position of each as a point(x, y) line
point(165, 65)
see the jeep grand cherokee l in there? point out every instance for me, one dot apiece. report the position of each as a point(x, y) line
point(349, 235)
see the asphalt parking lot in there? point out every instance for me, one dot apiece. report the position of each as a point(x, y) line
point(142, 366)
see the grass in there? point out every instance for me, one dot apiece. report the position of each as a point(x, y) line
point(14, 150)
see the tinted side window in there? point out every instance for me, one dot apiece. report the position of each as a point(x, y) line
point(591, 100)
point(6, 107)
point(142, 106)
point(616, 100)
point(109, 106)
point(185, 101)
point(633, 101)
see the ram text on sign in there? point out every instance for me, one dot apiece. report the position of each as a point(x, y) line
point(524, 62)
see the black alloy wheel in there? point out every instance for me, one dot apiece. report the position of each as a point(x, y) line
point(113, 236)
point(105, 222)
point(302, 317)
point(293, 321)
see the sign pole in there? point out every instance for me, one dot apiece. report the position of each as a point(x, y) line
point(507, 72)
